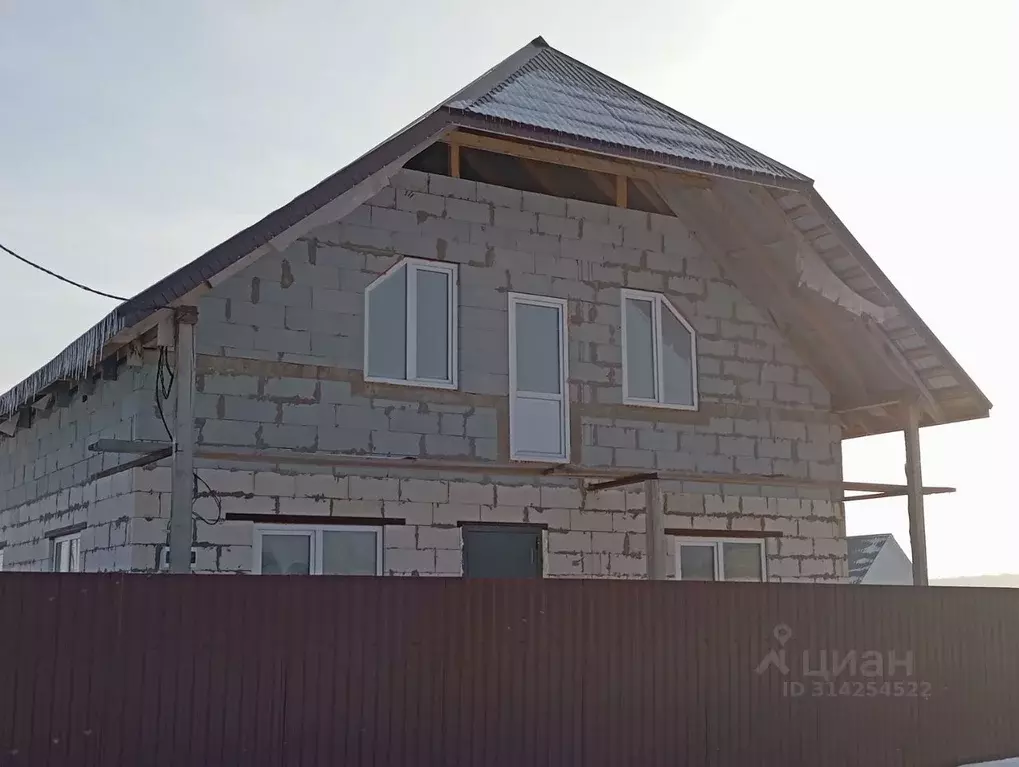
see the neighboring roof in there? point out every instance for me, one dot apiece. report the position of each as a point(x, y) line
point(863, 550)
point(542, 95)
point(552, 91)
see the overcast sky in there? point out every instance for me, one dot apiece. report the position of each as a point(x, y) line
point(134, 136)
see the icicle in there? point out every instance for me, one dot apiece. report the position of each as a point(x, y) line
point(71, 364)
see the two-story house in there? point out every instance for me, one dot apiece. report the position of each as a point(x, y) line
point(478, 350)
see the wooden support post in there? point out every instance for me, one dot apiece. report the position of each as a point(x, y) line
point(183, 481)
point(914, 482)
point(656, 548)
point(621, 191)
point(454, 160)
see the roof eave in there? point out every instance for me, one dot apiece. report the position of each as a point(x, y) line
point(885, 284)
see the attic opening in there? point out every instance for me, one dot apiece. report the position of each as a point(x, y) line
point(531, 175)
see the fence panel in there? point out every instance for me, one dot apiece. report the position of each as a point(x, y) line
point(107, 670)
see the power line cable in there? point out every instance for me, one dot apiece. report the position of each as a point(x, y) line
point(60, 277)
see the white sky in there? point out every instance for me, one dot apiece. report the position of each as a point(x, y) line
point(133, 139)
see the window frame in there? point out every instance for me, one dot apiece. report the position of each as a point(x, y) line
point(561, 304)
point(719, 558)
point(413, 266)
point(55, 542)
point(540, 553)
point(316, 533)
point(658, 300)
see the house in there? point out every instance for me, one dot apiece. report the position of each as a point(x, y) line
point(553, 327)
point(878, 560)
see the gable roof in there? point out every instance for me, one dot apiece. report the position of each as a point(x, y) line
point(541, 95)
point(863, 551)
point(546, 89)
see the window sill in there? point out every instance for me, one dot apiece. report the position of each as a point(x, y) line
point(660, 405)
point(535, 458)
point(417, 384)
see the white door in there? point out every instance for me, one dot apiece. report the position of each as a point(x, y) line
point(539, 398)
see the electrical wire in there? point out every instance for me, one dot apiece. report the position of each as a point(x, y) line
point(162, 389)
point(215, 498)
point(60, 277)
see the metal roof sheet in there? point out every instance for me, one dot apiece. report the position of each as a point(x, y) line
point(863, 550)
point(553, 92)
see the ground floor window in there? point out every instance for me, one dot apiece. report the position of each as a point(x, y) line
point(317, 550)
point(720, 559)
point(502, 552)
point(66, 554)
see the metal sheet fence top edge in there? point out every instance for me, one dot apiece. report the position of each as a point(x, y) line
point(117, 669)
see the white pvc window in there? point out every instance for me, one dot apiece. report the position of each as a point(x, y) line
point(659, 353)
point(67, 554)
point(720, 559)
point(410, 325)
point(539, 397)
point(317, 550)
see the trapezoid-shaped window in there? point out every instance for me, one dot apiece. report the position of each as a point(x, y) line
point(659, 353)
point(410, 325)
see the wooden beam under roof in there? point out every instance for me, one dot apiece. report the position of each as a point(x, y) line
point(569, 158)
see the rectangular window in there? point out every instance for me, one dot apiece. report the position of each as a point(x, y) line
point(720, 559)
point(67, 554)
point(539, 397)
point(659, 353)
point(502, 552)
point(1, 559)
point(410, 325)
point(325, 550)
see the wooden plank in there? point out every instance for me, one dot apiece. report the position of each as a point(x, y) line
point(137, 463)
point(630, 480)
point(914, 481)
point(454, 160)
point(883, 340)
point(182, 478)
point(655, 524)
point(621, 191)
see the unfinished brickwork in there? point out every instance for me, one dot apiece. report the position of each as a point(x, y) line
point(280, 355)
point(46, 471)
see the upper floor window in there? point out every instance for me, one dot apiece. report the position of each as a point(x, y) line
point(410, 325)
point(659, 353)
point(318, 550)
point(720, 559)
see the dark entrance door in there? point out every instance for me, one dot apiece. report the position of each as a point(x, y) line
point(502, 552)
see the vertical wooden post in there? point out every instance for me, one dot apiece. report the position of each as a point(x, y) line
point(914, 481)
point(182, 481)
point(454, 160)
point(656, 548)
point(620, 191)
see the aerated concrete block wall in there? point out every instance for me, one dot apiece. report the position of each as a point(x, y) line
point(45, 473)
point(280, 350)
point(280, 366)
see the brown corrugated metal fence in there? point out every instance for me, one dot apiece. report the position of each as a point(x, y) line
point(110, 670)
